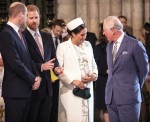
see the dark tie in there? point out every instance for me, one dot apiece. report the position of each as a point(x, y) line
point(114, 52)
point(21, 37)
point(56, 42)
point(36, 37)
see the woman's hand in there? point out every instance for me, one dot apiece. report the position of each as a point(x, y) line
point(88, 78)
point(78, 83)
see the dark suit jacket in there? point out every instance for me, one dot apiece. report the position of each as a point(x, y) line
point(18, 74)
point(91, 37)
point(100, 56)
point(130, 35)
point(49, 53)
point(147, 45)
point(127, 74)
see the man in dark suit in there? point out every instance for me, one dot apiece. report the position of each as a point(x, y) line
point(58, 32)
point(127, 30)
point(126, 72)
point(20, 75)
point(42, 52)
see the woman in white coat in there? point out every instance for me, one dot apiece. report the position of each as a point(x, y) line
point(76, 58)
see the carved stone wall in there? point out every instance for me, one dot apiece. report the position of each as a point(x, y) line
point(94, 12)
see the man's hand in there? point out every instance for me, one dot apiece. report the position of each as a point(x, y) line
point(58, 70)
point(48, 65)
point(36, 84)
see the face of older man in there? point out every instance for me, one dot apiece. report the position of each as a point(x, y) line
point(108, 33)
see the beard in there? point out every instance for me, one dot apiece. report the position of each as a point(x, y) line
point(33, 26)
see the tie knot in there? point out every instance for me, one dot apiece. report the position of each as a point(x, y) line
point(36, 34)
point(20, 30)
point(115, 42)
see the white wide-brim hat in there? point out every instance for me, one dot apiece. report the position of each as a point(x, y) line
point(74, 23)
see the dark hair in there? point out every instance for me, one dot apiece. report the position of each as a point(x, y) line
point(121, 16)
point(147, 26)
point(76, 30)
point(59, 22)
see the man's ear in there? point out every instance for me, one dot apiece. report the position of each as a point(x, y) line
point(20, 15)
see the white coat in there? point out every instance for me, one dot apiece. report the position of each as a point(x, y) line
point(70, 106)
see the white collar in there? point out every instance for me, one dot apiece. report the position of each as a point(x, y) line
point(33, 32)
point(15, 27)
point(119, 40)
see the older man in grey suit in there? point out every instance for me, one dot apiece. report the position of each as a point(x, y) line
point(127, 69)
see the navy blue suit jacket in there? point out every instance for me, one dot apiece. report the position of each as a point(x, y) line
point(128, 73)
point(18, 68)
point(49, 53)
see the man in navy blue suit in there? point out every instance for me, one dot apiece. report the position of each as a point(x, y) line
point(127, 69)
point(42, 52)
point(20, 75)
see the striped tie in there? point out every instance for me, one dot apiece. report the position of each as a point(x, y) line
point(114, 52)
point(21, 37)
point(36, 37)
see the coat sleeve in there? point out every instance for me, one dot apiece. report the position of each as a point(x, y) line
point(12, 58)
point(142, 62)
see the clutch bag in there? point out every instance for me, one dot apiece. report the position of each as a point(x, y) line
point(83, 93)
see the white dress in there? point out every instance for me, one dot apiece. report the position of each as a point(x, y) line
point(73, 108)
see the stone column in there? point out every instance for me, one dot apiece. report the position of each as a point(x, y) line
point(93, 16)
point(147, 11)
point(137, 16)
point(126, 10)
point(104, 9)
point(115, 7)
point(81, 10)
point(65, 9)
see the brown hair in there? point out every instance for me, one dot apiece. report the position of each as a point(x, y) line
point(33, 8)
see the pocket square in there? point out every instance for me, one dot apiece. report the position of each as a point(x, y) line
point(124, 52)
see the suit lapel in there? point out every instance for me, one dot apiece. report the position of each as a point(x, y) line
point(121, 49)
point(44, 44)
point(109, 53)
point(73, 50)
point(16, 36)
point(18, 40)
point(31, 40)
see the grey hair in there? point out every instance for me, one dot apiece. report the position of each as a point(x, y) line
point(112, 22)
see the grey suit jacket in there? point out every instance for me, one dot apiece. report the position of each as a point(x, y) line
point(127, 74)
